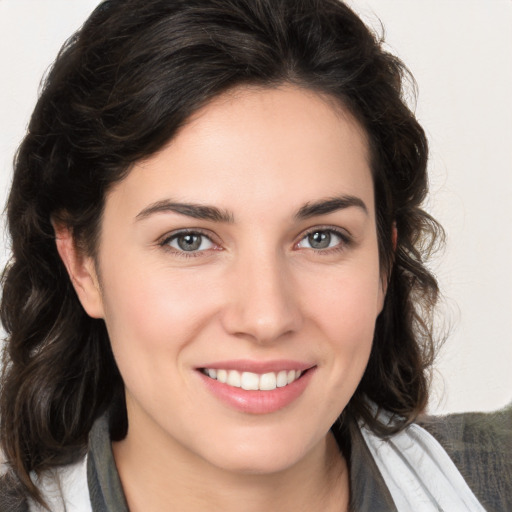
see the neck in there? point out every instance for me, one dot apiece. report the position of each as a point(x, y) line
point(155, 479)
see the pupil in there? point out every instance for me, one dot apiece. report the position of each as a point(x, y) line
point(189, 242)
point(320, 239)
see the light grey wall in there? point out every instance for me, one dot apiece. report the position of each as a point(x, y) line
point(461, 55)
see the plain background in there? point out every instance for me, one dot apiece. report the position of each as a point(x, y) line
point(460, 52)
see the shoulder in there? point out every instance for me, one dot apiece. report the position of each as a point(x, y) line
point(12, 495)
point(480, 445)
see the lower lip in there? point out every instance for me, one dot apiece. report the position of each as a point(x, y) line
point(258, 402)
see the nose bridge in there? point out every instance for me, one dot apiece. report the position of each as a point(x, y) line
point(262, 303)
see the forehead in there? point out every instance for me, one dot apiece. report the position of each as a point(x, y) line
point(287, 115)
point(282, 146)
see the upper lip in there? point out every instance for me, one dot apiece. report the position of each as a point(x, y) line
point(247, 365)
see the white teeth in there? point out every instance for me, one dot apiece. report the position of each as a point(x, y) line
point(254, 381)
point(282, 378)
point(233, 378)
point(249, 381)
point(268, 381)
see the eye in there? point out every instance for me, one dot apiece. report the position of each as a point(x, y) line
point(319, 239)
point(189, 242)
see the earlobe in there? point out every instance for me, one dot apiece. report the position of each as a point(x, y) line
point(81, 270)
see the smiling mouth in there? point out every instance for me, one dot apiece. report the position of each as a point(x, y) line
point(253, 381)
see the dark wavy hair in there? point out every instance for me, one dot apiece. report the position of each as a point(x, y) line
point(119, 90)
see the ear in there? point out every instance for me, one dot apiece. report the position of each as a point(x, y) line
point(81, 270)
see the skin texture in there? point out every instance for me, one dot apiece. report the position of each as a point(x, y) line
point(255, 290)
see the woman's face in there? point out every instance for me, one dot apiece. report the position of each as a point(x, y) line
point(244, 250)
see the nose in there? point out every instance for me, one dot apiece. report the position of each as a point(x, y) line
point(262, 304)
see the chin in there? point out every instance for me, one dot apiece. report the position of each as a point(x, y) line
point(268, 462)
point(259, 454)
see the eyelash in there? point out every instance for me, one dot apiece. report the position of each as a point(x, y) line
point(164, 243)
point(345, 241)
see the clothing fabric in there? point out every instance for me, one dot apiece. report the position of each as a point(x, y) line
point(419, 474)
point(65, 489)
point(478, 445)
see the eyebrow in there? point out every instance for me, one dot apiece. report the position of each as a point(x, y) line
point(196, 211)
point(212, 213)
point(330, 205)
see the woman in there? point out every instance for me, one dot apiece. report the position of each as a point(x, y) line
point(217, 297)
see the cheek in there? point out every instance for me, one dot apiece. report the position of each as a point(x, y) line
point(347, 303)
point(345, 310)
point(150, 311)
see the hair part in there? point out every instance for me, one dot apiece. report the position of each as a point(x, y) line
point(120, 89)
